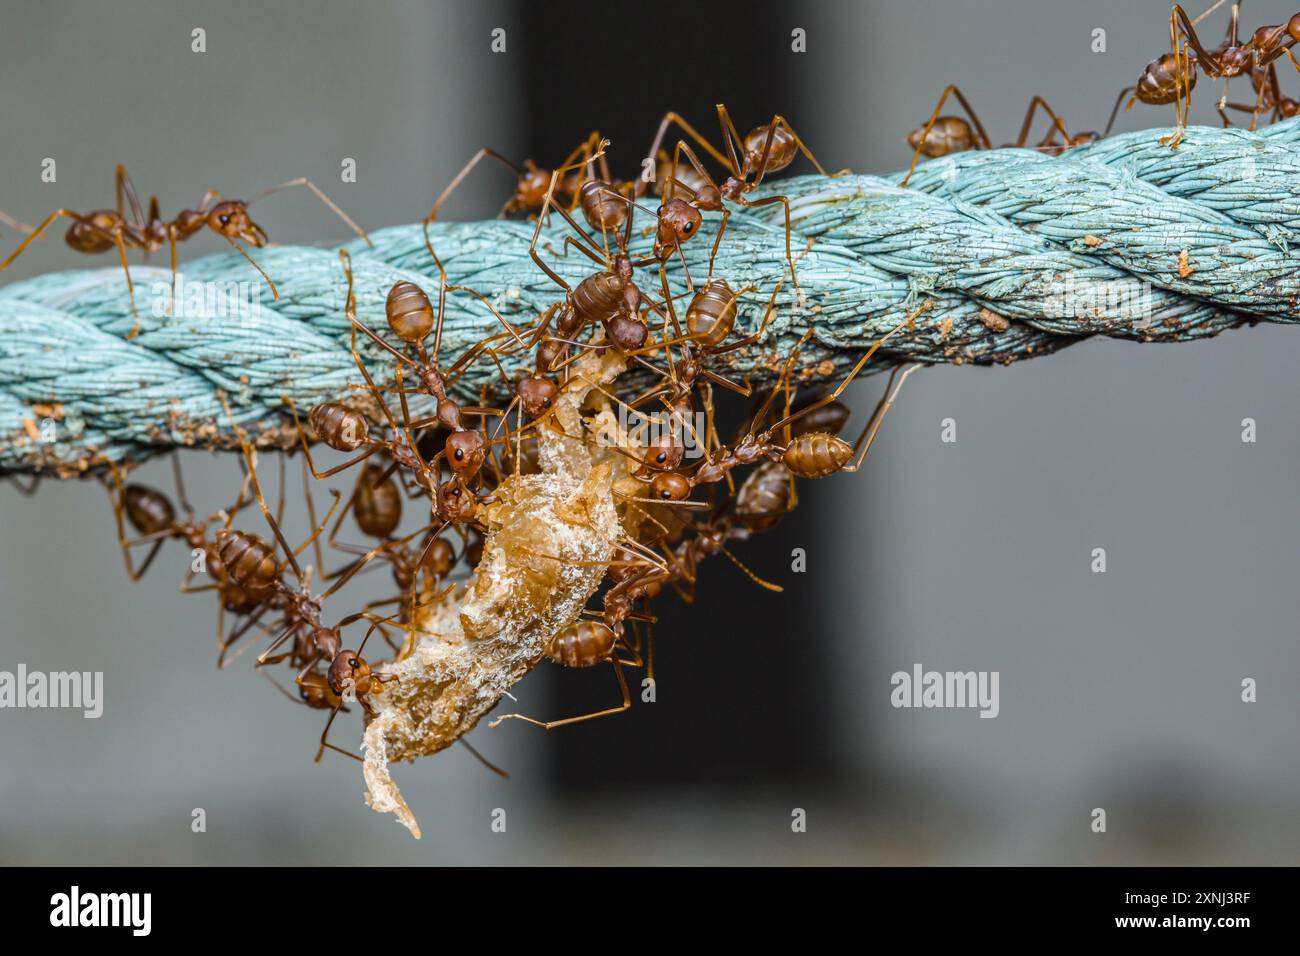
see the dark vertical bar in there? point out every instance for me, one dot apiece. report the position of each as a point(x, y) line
point(741, 672)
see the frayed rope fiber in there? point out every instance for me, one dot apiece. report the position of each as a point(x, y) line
point(1000, 255)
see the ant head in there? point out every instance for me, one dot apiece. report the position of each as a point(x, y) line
point(626, 333)
point(148, 510)
point(530, 190)
point(665, 452)
point(457, 502)
point(537, 394)
point(410, 313)
point(93, 234)
point(231, 219)
point(670, 486)
point(678, 221)
point(466, 452)
point(1293, 28)
point(349, 669)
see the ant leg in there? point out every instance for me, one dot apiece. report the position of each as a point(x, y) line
point(1058, 125)
point(329, 203)
point(290, 560)
point(36, 233)
point(14, 224)
point(130, 286)
point(124, 184)
point(781, 122)
point(484, 761)
point(550, 203)
point(839, 389)
point(280, 638)
point(673, 119)
point(158, 537)
point(757, 336)
point(510, 329)
point(934, 118)
point(551, 725)
point(239, 631)
point(860, 448)
point(717, 241)
point(465, 171)
point(785, 203)
point(766, 585)
point(321, 475)
point(730, 133)
point(1115, 109)
point(275, 293)
point(326, 745)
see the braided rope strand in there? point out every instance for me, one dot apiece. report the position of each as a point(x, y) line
point(990, 252)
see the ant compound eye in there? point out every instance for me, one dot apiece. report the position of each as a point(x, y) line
point(225, 219)
point(353, 663)
point(688, 227)
point(460, 454)
point(661, 457)
point(665, 494)
point(303, 694)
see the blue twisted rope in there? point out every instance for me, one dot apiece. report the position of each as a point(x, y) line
point(991, 252)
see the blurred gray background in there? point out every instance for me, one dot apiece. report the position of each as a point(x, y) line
point(1118, 690)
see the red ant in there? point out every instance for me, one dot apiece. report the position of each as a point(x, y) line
point(104, 229)
point(1171, 77)
point(944, 135)
point(763, 150)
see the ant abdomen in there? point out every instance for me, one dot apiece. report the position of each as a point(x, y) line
point(440, 558)
point(780, 154)
point(93, 233)
point(378, 507)
point(582, 644)
point(248, 560)
point(830, 417)
point(148, 510)
point(602, 207)
point(712, 313)
point(338, 426)
point(597, 297)
point(764, 497)
point(410, 313)
point(1160, 83)
point(949, 134)
point(315, 691)
point(816, 455)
